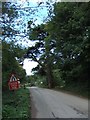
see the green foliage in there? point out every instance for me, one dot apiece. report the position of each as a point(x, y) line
point(66, 43)
point(58, 81)
point(9, 12)
point(40, 52)
point(41, 81)
point(62, 45)
point(36, 80)
point(69, 28)
point(17, 104)
point(10, 64)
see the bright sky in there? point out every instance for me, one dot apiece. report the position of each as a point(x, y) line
point(21, 24)
point(34, 1)
point(28, 65)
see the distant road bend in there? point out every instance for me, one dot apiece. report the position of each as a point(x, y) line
point(48, 103)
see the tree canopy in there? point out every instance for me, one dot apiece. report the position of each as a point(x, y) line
point(65, 39)
point(61, 43)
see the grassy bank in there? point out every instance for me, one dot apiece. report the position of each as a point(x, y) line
point(77, 90)
point(16, 104)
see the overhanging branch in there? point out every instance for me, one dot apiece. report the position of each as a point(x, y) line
point(15, 35)
point(29, 7)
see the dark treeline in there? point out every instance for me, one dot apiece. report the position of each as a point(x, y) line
point(11, 52)
point(10, 64)
point(63, 46)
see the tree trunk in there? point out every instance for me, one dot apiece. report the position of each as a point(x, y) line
point(49, 76)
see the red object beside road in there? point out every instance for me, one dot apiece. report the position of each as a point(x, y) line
point(13, 85)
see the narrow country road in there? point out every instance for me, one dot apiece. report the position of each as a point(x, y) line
point(48, 103)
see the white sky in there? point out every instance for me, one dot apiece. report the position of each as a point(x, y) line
point(37, 1)
point(33, 1)
point(28, 65)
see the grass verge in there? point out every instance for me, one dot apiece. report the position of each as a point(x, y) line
point(16, 104)
point(75, 90)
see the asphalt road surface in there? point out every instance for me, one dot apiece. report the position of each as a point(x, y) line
point(48, 103)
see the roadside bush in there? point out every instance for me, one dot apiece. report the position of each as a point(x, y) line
point(58, 81)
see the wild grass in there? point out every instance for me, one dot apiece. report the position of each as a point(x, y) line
point(16, 104)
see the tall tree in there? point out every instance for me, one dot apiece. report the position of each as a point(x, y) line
point(66, 41)
point(41, 52)
point(69, 27)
